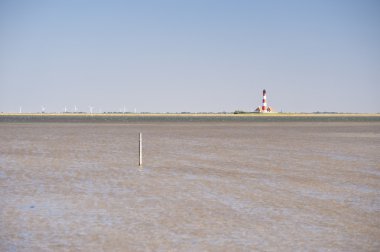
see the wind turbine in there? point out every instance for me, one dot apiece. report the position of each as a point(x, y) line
point(90, 107)
point(65, 109)
point(20, 111)
point(75, 108)
point(42, 109)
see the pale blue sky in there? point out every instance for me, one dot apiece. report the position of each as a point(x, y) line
point(198, 55)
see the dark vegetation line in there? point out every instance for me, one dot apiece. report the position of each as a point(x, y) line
point(147, 118)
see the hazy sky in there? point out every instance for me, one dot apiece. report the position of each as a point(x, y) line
point(195, 55)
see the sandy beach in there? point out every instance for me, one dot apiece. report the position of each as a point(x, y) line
point(204, 186)
point(248, 114)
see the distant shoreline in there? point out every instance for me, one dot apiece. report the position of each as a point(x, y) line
point(191, 114)
point(192, 117)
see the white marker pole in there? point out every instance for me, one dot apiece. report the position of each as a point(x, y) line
point(140, 149)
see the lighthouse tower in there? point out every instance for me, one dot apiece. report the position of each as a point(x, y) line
point(264, 108)
point(264, 105)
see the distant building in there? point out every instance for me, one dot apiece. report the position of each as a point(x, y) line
point(264, 108)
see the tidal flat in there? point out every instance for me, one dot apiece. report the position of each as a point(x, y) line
point(204, 186)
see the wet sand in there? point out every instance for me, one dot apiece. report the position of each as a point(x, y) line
point(204, 186)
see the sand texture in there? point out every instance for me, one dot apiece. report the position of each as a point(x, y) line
point(204, 186)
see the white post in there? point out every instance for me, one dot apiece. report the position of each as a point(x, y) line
point(140, 149)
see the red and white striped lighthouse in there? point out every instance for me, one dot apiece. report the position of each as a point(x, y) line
point(264, 105)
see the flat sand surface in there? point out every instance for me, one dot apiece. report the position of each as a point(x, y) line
point(204, 186)
point(184, 115)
